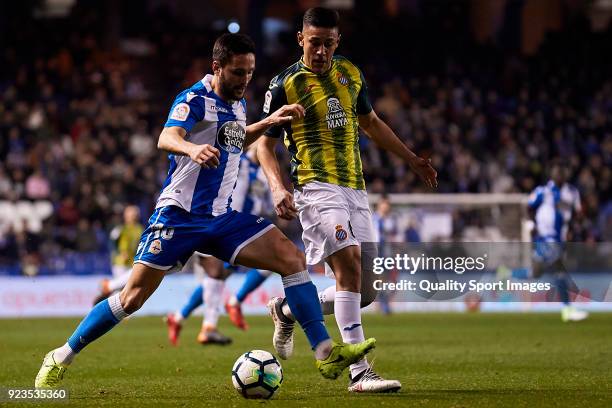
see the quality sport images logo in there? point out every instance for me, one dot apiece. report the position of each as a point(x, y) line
point(230, 137)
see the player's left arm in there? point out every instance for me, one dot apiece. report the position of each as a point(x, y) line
point(385, 138)
point(282, 115)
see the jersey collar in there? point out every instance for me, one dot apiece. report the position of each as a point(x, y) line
point(303, 65)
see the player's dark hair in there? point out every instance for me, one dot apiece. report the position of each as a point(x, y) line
point(321, 17)
point(229, 45)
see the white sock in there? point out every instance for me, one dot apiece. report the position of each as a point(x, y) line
point(326, 298)
point(347, 308)
point(323, 349)
point(213, 299)
point(118, 282)
point(233, 301)
point(178, 317)
point(64, 354)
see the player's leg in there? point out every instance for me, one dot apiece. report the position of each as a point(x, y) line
point(283, 257)
point(174, 320)
point(254, 278)
point(121, 274)
point(548, 258)
point(325, 214)
point(362, 377)
point(337, 225)
point(102, 318)
point(214, 284)
point(157, 254)
point(564, 285)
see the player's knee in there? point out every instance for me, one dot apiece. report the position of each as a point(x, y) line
point(220, 273)
point(348, 282)
point(290, 259)
point(132, 299)
point(295, 261)
point(347, 268)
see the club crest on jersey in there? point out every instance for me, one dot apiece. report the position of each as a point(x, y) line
point(230, 137)
point(342, 79)
point(341, 233)
point(156, 247)
point(336, 117)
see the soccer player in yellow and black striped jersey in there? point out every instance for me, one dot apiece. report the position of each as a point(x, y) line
point(326, 172)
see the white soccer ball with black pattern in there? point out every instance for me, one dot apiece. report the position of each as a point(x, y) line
point(257, 374)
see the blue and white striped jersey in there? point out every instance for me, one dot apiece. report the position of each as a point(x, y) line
point(207, 119)
point(554, 208)
point(252, 194)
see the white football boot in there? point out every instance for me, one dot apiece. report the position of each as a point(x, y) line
point(369, 381)
point(571, 314)
point(283, 329)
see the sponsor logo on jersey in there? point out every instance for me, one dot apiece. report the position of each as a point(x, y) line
point(180, 112)
point(267, 102)
point(341, 233)
point(155, 247)
point(190, 96)
point(215, 108)
point(309, 88)
point(336, 117)
point(230, 137)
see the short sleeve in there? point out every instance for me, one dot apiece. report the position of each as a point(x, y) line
point(274, 99)
point(536, 197)
point(186, 110)
point(363, 99)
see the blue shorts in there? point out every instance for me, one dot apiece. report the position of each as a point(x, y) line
point(174, 234)
point(547, 250)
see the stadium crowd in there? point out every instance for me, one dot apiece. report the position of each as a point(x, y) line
point(79, 124)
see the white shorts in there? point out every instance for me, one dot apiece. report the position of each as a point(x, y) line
point(332, 217)
point(120, 270)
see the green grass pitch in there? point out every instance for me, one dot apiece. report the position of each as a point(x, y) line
point(443, 360)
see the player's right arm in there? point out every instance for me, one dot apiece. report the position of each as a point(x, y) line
point(186, 111)
point(536, 198)
point(275, 98)
point(284, 205)
point(172, 139)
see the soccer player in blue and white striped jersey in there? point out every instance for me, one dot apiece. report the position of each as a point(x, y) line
point(205, 134)
point(554, 204)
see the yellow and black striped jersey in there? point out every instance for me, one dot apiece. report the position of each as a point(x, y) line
point(324, 145)
point(126, 238)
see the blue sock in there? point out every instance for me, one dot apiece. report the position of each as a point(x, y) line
point(563, 290)
point(303, 301)
point(194, 301)
point(251, 282)
point(103, 317)
point(520, 273)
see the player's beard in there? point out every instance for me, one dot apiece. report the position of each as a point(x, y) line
point(233, 92)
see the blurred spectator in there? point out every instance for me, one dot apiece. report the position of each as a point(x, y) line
point(37, 186)
point(79, 121)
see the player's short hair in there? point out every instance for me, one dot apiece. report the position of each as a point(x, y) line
point(321, 17)
point(229, 45)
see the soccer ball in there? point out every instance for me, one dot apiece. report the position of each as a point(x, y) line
point(257, 374)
